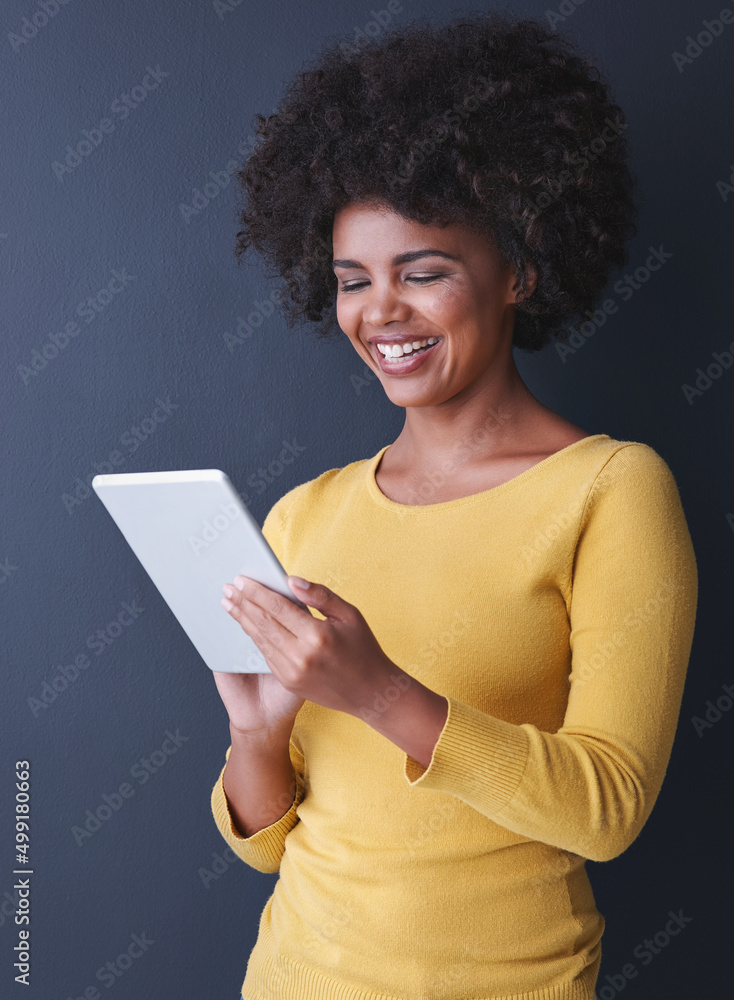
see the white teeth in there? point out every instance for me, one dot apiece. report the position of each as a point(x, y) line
point(398, 350)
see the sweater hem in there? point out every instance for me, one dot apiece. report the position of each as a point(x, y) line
point(284, 979)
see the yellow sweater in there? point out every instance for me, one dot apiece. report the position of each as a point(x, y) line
point(556, 614)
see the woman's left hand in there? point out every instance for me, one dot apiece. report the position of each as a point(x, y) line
point(336, 662)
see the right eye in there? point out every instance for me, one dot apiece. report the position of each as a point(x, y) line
point(421, 280)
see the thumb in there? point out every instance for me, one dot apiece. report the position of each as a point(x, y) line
point(316, 595)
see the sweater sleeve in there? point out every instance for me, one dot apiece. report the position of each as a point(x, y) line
point(589, 788)
point(264, 849)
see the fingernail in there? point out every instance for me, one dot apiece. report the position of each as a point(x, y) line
point(300, 582)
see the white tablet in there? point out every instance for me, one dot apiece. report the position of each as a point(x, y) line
point(193, 533)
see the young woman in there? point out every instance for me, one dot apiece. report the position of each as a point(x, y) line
point(486, 692)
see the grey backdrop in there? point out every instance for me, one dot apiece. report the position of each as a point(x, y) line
point(119, 286)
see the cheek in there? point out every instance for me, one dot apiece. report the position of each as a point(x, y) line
point(345, 316)
point(447, 311)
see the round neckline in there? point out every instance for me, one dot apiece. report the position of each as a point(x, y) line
point(385, 501)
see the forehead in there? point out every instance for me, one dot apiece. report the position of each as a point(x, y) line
point(376, 213)
point(377, 227)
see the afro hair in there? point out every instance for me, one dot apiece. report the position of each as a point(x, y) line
point(487, 120)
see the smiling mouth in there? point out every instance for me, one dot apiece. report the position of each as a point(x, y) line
point(394, 360)
point(406, 362)
point(407, 354)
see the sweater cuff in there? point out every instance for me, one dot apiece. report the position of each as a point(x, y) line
point(263, 850)
point(477, 758)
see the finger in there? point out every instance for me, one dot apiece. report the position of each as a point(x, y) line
point(266, 632)
point(268, 649)
point(285, 612)
point(319, 596)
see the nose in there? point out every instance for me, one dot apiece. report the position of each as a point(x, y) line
point(384, 303)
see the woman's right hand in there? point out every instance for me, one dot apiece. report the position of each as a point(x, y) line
point(257, 704)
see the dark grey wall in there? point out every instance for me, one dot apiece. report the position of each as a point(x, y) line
point(85, 367)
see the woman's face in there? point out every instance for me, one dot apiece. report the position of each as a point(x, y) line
point(465, 298)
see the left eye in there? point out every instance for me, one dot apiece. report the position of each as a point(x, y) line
point(360, 284)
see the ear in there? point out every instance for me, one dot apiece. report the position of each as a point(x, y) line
point(531, 281)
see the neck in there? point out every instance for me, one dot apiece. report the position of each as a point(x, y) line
point(496, 418)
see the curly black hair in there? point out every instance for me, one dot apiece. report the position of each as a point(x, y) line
point(487, 120)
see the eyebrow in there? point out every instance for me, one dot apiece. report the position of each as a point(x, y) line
point(401, 258)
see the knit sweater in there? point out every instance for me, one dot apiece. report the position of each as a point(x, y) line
point(555, 613)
